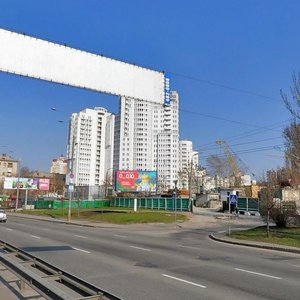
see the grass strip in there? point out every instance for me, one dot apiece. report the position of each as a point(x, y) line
point(116, 216)
point(280, 236)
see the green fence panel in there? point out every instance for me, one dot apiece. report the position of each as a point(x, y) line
point(170, 203)
point(59, 204)
point(161, 204)
point(248, 204)
point(150, 203)
point(155, 203)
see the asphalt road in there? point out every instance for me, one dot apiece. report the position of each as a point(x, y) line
point(161, 262)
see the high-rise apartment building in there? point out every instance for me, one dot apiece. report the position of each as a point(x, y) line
point(59, 165)
point(146, 138)
point(188, 162)
point(90, 147)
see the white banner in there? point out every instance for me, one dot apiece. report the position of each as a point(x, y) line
point(24, 55)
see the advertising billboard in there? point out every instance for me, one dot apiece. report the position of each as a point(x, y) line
point(31, 57)
point(23, 183)
point(12, 183)
point(44, 184)
point(136, 181)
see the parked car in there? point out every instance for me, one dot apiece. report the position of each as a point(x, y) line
point(3, 217)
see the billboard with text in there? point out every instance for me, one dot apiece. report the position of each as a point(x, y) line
point(136, 181)
point(26, 183)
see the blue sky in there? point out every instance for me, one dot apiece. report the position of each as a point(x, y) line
point(227, 59)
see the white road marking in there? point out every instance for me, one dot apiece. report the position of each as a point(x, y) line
point(122, 236)
point(222, 231)
point(81, 250)
point(139, 248)
point(256, 273)
point(80, 236)
point(190, 247)
point(296, 266)
point(9, 229)
point(185, 281)
point(36, 237)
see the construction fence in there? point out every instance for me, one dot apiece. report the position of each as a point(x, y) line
point(56, 204)
point(153, 203)
point(142, 203)
point(248, 204)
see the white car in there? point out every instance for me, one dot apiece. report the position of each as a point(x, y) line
point(3, 217)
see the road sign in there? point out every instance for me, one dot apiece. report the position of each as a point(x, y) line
point(71, 175)
point(232, 199)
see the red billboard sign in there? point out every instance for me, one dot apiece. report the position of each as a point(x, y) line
point(136, 181)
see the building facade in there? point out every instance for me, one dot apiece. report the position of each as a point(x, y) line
point(188, 163)
point(146, 138)
point(90, 147)
point(8, 167)
point(59, 165)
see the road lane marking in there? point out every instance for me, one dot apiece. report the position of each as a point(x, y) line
point(190, 247)
point(80, 236)
point(296, 266)
point(140, 248)
point(185, 281)
point(36, 237)
point(81, 250)
point(256, 273)
point(121, 236)
point(9, 229)
point(222, 231)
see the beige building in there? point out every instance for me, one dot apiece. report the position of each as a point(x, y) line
point(8, 167)
point(59, 165)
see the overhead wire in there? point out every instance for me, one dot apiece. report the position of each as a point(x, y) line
point(225, 86)
point(240, 144)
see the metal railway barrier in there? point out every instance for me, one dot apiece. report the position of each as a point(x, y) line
point(48, 280)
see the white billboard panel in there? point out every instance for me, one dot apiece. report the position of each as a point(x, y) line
point(36, 58)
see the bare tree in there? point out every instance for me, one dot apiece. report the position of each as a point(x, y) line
point(217, 165)
point(25, 172)
point(295, 94)
point(271, 206)
point(292, 132)
point(292, 151)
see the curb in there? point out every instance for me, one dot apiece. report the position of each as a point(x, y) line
point(269, 247)
point(52, 221)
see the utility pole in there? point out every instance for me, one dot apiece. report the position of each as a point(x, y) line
point(190, 182)
point(18, 185)
point(71, 176)
point(175, 199)
point(157, 137)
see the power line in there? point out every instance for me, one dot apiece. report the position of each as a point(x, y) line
point(246, 134)
point(251, 150)
point(225, 86)
point(250, 142)
point(219, 118)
